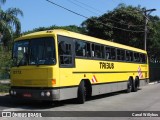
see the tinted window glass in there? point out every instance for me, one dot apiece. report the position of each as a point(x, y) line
point(143, 58)
point(34, 51)
point(42, 51)
point(120, 54)
point(108, 53)
point(82, 48)
point(136, 57)
point(20, 53)
point(66, 51)
point(97, 51)
point(129, 56)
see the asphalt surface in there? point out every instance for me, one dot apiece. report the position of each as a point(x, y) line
point(146, 99)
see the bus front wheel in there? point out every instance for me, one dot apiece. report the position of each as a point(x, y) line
point(81, 93)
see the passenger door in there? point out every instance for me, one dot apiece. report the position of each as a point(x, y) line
point(66, 64)
point(66, 52)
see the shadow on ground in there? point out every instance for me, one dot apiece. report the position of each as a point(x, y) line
point(7, 102)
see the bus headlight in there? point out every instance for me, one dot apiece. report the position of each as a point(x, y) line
point(48, 94)
point(11, 92)
point(42, 94)
point(14, 93)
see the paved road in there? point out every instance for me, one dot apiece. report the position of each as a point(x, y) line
point(146, 99)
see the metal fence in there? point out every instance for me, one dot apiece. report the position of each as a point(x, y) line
point(154, 72)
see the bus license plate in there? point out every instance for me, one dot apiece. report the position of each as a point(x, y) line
point(27, 95)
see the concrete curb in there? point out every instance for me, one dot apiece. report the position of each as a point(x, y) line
point(4, 94)
point(152, 83)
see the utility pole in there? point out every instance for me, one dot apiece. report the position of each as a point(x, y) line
point(146, 14)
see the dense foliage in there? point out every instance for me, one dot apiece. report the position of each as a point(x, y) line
point(125, 24)
point(10, 27)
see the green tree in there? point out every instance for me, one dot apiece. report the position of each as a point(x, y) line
point(118, 25)
point(97, 27)
point(9, 24)
point(154, 39)
point(125, 25)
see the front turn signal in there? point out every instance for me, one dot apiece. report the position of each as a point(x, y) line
point(53, 81)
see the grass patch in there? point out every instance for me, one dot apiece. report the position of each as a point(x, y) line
point(4, 88)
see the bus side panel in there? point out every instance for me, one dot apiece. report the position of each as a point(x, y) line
point(145, 80)
point(68, 93)
point(68, 84)
point(109, 80)
point(108, 88)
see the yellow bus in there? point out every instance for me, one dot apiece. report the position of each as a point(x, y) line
point(58, 64)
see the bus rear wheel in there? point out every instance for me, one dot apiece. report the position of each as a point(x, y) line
point(129, 86)
point(81, 93)
point(135, 84)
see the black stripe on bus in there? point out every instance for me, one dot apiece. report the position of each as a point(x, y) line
point(83, 72)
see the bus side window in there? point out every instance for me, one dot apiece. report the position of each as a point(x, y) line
point(131, 56)
point(88, 50)
point(122, 55)
point(140, 58)
point(136, 57)
point(108, 53)
point(143, 58)
point(128, 56)
point(93, 50)
point(99, 51)
point(65, 53)
point(118, 54)
point(102, 51)
point(65, 49)
point(113, 53)
point(82, 49)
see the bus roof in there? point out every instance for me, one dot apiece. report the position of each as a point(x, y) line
point(77, 36)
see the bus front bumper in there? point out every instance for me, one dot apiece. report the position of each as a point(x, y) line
point(35, 94)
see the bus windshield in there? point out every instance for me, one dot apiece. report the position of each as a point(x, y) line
point(38, 51)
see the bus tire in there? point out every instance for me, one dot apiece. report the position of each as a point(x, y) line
point(135, 84)
point(81, 93)
point(138, 82)
point(129, 85)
